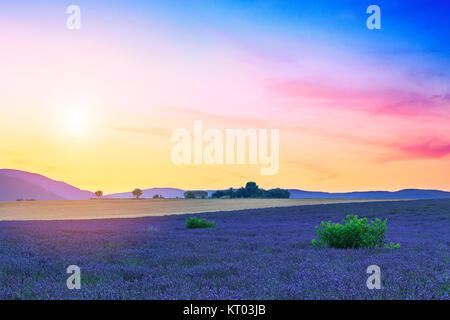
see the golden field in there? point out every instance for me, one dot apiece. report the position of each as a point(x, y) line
point(127, 208)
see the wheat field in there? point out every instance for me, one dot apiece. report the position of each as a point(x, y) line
point(128, 208)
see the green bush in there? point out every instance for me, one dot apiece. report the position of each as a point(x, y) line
point(194, 222)
point(354, 233)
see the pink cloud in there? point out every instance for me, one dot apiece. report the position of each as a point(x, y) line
point(305, 89)
point(376, 101)
point(431, 148)
point(412, 104)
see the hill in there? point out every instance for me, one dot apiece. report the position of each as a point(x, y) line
point(55, 190)
point(12, 189)
point(401, 194)
point(149, 193)
point(15, 184)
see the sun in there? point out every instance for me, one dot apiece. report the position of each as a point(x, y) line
point(77, 120)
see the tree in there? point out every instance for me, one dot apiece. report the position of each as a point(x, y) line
point(137, 193)
point(99, 193)
point(196, 194)
point(189, 195)
point(276, 193)
point(224, 194)
point(156, 196)
point(252, 190)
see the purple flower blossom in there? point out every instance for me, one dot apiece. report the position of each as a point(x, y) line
point(252, 254)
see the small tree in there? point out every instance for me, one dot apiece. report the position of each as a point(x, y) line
point(99, 193)
point(156, 196)
point(137, 193)
point(189, 195)
point(196, 194)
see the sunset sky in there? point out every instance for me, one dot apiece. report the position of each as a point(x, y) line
point(357, 109)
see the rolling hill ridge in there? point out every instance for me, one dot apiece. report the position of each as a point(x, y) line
point(16, 184)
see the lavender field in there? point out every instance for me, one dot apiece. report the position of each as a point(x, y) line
point(252, 254)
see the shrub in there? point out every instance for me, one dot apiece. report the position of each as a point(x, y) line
point(194, 222)
point(354, 233)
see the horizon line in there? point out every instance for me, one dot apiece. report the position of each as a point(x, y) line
point(215, 189)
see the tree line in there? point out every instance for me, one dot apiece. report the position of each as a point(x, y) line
point(251, 190)
point(137, 193)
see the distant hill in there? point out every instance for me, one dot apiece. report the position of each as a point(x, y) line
point(401, 194)
point(16, 184)
point(12, 189)
point(149, 193)
point(56, 190)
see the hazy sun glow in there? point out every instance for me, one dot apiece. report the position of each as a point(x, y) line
point(77, 120)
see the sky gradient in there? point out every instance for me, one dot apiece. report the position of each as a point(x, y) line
point(357, 109)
